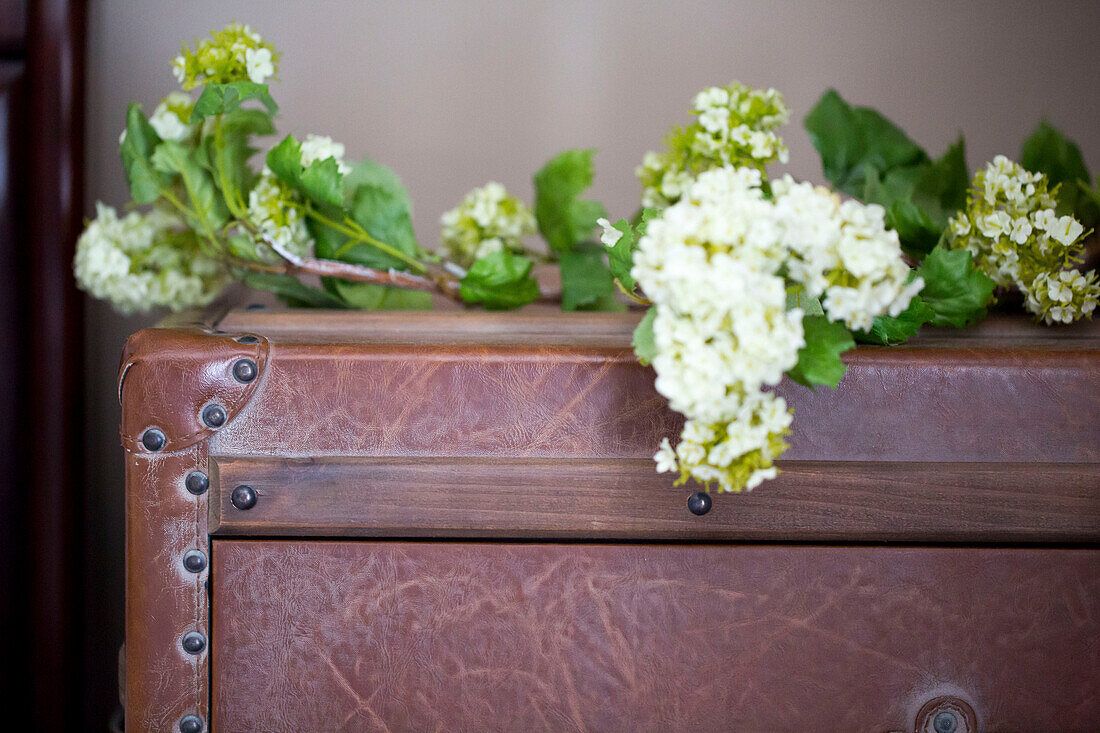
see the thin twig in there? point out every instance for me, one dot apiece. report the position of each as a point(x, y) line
point(441, 281)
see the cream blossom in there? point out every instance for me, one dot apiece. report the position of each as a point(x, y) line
point(1012, 231)
point(488, 220)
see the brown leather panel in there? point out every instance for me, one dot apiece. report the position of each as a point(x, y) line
point(544, 325)
point(362, 636)
point(627, 499)
point(168, 376)
point(895, 404)
point(163, 600)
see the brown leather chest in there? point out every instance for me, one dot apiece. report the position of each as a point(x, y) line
point(412, 522)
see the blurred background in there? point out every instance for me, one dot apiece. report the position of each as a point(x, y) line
point(454, 94)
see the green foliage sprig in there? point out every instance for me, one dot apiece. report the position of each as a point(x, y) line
point(867, 156)
point(305, 212)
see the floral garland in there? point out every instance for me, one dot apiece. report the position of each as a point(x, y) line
point(746, 279)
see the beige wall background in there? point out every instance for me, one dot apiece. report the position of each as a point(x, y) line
point(453, 94)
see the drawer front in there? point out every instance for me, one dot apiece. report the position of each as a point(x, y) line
point(385, 635)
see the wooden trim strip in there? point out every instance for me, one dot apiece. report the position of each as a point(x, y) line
point(625, 499)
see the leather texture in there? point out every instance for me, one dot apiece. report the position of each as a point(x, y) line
point(163, 600)
point(894, 404)
point(372, 636)
point(168, 376)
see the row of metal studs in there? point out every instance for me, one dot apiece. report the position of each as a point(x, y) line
point(197, 483)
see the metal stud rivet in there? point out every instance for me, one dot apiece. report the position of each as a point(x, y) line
point(194, 561)
point(945, 722)
point(213, 416)
point(197, 483)
point(153, 439)
point(244, 370)
point(193, 642)
point(243, 497)
point(699, 503)
point(248, 340)
point(190, 724)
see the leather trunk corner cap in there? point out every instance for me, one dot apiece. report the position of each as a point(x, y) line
point(171, 382)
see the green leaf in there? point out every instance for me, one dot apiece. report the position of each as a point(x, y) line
point(563, 219)
point(645, 345)
point(206, 203)
point(366, 296)
point(954, 289)
point(942, 185)
point(369, 173)
point(1050, 152)
point(853, 141)
point(146, 182)
point(621, 256)
point(586, 282)
point(230, 150)
point(292, 290)
point(819, 360)
point(500, 280)
point(217, 99)
point(798, 298)
point(920, 198)
point(320, 183)
point(384, 214)
point(285, 161)
point(890, 330)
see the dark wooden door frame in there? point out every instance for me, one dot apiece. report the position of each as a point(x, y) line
point(47, 170)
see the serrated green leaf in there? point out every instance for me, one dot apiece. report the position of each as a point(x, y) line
point(819, 360)
point(292, 290)
point(137, 148)
point(954, 289)
point(586, 282)
point(621, 256)
point(383, 213)
point(320, 183)
point(366, 296)
point(1048, 151)
point(500, 280)
point(563, 219)
point(217, 99)
point(855, 140)
point(230, 150)
point(645, 345)
point(891, 330)
point(285, 161)
point(206, 203)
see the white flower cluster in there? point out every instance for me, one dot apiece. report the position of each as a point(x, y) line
point(322, 147)
point(171, 118)
point(842, 253)
point(142, 261)
point(735, 126)
point(1063, 297)
point(275, 210)
point(232, 54)
point(488, 220)
point(712, 266)
point(1012, 232)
